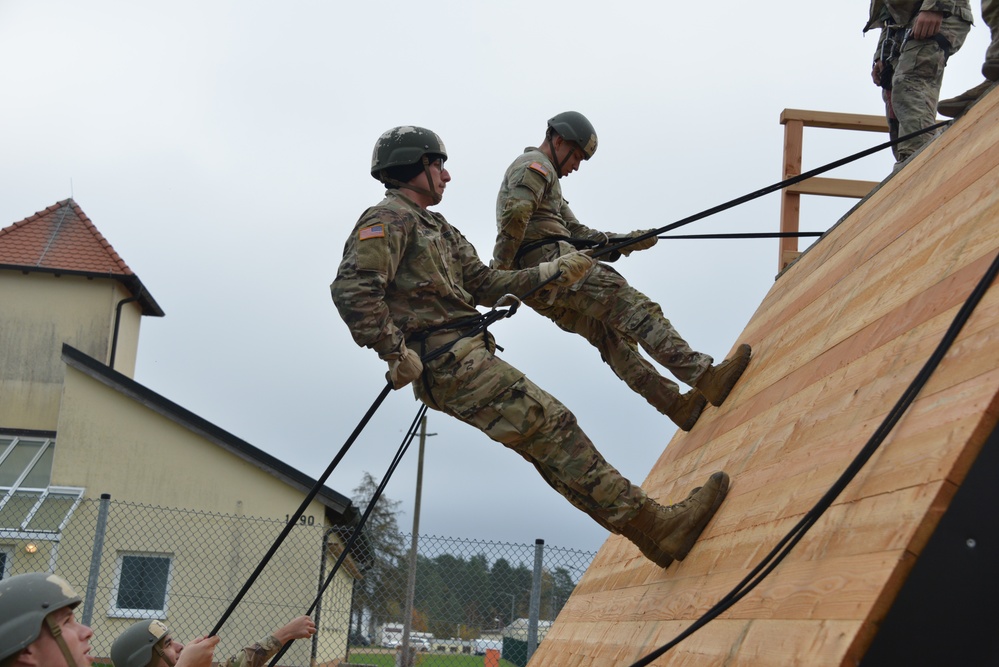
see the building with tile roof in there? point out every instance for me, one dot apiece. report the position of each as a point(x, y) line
point(79, 435)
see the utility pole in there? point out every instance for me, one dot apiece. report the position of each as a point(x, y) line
point(406, 657)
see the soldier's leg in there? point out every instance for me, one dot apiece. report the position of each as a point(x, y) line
point(480, 389)
point(916, 84)
point(990, 14)
point(628, 364)
point(607, 297)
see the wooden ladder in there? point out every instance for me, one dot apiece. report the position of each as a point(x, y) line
point(794, 122)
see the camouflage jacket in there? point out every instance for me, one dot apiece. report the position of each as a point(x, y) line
point(405, 269)
point(256, 655)
point(530, 207)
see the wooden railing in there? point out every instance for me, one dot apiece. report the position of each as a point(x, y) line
point(794, 122)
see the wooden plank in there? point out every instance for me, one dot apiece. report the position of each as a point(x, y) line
point(835, 120)
point(833, 187)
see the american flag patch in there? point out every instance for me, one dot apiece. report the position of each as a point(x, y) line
point(372, 232)
point(538, 167)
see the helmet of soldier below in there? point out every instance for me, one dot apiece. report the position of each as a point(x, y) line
point(134, 647)
point(403, 146)
point(574, 126)
point(25, 601)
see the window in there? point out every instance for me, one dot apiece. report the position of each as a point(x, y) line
point(142, 586)
point(29, 507)
point(6, 556)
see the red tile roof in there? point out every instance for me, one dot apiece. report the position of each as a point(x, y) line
point(61, 237)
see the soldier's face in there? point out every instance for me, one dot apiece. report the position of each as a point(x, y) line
point(572, 155)
point(439, 175)
point(77, 636)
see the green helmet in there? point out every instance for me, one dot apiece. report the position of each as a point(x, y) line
point(403, 146)
point(573, 126)
point(25, 601)
point(134, 647)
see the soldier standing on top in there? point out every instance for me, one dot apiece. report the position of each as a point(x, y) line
point(410, 281)
point(917, 38)
point(535, 225)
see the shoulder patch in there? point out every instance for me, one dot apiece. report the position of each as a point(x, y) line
point(372, 232)
point(540, 168)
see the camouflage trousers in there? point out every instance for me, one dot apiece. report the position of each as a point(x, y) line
point(915, 86)
point(471, 383)
point(622, 355)
point(616, 318)
point(990, 14)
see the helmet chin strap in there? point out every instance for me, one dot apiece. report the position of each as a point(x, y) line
point(558, 163)
point(429, 191)
point(57, 635)
point(162, 654)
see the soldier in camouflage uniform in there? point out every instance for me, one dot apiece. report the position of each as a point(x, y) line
point(955, 106)
point(39, 629)
point(917, 38)
point(536, 225)
point(150, 644)
point(410, 281)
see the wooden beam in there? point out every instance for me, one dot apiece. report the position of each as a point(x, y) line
point(833, 187)
point(836, 121)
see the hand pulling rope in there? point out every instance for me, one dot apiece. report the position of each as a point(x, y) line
point(783, 548)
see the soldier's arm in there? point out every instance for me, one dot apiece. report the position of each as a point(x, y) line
point(256, 655)
point(370, 259)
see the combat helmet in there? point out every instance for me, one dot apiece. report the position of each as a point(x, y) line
point(574, 126)
point(407, 146)
point(135, 646)
point(26, 600)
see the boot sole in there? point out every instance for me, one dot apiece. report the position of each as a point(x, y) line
point(688, 544)
point(744, 353)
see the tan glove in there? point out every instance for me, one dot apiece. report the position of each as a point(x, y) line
point(574, 267)
point(644, 244)
point(404, 367)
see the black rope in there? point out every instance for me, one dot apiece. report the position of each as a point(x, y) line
point(746, 235)
point(616, 247)
point(783, 548)
point(357, 530)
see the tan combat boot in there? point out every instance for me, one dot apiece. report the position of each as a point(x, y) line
point(647, 546)
point(718, 380)
point(675, 528)
point(686, 409)
point(955, 106)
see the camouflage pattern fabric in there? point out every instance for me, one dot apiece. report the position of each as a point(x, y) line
point(990, 14)
point(621, 354)
point(405, 270)
point(471, 383)
point(919, 67)
point(613, 316)
point(255, 656)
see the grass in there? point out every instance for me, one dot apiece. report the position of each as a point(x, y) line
point(425, 660)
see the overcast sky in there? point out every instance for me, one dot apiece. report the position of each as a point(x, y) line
point(223, 149)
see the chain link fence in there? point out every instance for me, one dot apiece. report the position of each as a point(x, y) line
point(456, 602)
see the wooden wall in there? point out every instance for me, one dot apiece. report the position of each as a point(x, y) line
point(836, 342)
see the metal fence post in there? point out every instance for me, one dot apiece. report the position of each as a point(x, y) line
point(95, 558)
point(535, 610)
